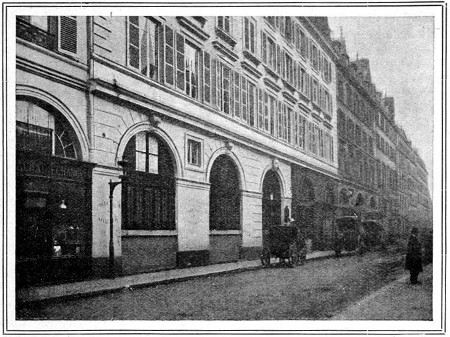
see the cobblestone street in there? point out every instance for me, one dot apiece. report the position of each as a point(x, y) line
point(318, 290)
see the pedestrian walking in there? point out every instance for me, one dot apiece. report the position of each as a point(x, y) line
point(414, 256)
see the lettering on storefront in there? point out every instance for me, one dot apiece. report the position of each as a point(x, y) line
point(55, 170)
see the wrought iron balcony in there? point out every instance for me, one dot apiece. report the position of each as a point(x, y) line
point(35, 35)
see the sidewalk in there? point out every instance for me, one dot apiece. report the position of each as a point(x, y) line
point(100, 286)
point(398, 300)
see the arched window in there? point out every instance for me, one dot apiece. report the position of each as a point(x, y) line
point(149, 194)
point(40, 130)
point(225, 196)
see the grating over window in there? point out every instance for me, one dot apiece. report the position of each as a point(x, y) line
point(68, 34)
point(33, 138)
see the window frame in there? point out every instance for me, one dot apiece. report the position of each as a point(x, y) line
point(191, 138)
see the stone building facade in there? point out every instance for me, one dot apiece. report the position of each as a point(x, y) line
point(377, 163)
point(213, 128)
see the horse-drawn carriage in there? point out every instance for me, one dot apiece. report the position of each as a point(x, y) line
point(284, 242)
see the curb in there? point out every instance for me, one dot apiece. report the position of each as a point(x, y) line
point(30, 296)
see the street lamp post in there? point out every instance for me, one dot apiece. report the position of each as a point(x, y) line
point(112, 186)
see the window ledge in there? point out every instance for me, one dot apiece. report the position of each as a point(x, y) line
point(225, 232)
point(225, 37)
point(144, 232)
point(248, 55)
point(192, 28)
point(225, 51)
point(271, 84)
point(289, 86)
point(304, 108)
point(251, 69)
point(288, 96)
point(303, 97)
point(272, 73)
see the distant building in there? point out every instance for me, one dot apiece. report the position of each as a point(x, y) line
point(375, 156)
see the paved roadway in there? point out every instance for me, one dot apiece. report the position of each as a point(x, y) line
point(318, 290)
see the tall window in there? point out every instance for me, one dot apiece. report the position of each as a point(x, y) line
point(303, 44)
point(224, 23)
point(315, 56)
point(269, 51)
point(181, 60)
point(288, 68)
point(149, 196)
point(142, 45)
point(250, 35)
point(315, 91)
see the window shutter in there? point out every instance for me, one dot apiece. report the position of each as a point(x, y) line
point(180, 61)
point(68, 34)
point(260, 109)
point(218, 85)
point(213, 81)
point(264, 47)
point(237, 93)
point(295, 75)
point(279, 60)
point(206, 77)
point(169, 56)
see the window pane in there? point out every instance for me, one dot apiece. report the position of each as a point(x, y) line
point(140, 161)
point(153, 164)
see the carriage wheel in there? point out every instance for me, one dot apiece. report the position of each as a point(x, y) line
point(265, 257)
point(293, 256)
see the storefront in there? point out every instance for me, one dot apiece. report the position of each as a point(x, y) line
point(53, 201)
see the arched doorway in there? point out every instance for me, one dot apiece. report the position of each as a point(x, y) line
point(148, 205)
point(53, 200)
point(271, 203)
point(224, 210)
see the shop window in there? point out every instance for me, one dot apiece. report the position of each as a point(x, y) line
point(39, 131)
point(143, 35)
point(57, 33)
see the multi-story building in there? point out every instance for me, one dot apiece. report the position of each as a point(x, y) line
point(357, 104)
point(376, 160)
point(147, 143)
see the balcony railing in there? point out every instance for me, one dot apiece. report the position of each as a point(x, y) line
point(35, 35)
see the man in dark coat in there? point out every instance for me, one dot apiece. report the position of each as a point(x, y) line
point(414, 256)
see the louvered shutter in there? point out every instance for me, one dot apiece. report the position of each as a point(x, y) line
point(68, 34)
point(180, 61)
point(169, 56)
point(213, 81)
point(206, 77)
point(264, 47)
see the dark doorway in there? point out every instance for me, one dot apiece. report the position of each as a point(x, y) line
point(271, 203)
